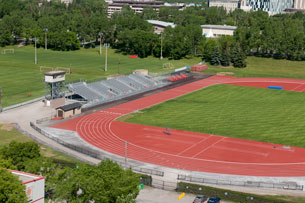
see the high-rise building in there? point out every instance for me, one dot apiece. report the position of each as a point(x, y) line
point(271, 6)
point(229, 5)
point(299, 4)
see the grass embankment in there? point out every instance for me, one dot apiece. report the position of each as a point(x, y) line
point(234, 196)
point(19, 76)
point(234, 111)
point(266, 67)
point(8, 134)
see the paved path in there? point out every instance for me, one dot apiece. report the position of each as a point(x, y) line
point(23, 115)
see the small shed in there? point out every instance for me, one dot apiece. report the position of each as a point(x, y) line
point(69, 110)
point(199, 67)
point(141, 72)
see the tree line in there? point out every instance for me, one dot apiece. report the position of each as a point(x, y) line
point(106, 182)
point(85, 22)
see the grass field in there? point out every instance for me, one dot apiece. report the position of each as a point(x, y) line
point(266, 67)
point(19, 76)
point(234, 111)
point(8, 134)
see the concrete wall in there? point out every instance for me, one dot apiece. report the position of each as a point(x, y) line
point(35, 191)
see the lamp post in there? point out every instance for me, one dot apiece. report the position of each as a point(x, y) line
point(100, 34)
point(45, 39)
point(35, 39)
point(106, 45)
point(161, 57)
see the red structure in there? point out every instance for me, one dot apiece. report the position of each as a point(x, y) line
point(199, 67)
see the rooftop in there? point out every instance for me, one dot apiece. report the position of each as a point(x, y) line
point(223, 27)
point(26, 177)
point(56, 72)
point(161, 23)
point(70, 106)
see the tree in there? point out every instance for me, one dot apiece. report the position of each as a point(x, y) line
point(238, 58)
point(216, 58)
point(6, 163)
point(126, 199)
point(19, 153)
point(103, 183)
point(11, 188)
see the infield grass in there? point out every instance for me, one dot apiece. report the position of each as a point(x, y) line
point(267, 115)
point(19, 76)
point(265, 67)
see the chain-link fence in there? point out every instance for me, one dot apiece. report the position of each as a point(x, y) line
point(98, 154)
point(284, 185)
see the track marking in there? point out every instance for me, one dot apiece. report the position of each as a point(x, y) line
point(194, 145)
point(242, 150)
point(212, 145)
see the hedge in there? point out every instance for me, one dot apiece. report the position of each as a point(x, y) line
point(227, 194)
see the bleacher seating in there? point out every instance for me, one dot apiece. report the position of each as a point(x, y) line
point(178, 77)
point(83, 90)
point(106, 90)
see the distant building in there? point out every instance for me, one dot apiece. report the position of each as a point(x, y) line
point(229, 5)
point(292, 10)
point(34, 185)
point(66, 1)
point(138, 5)
point(159, 26)
point(271, 6)
point(213, 31)
point(299, 4)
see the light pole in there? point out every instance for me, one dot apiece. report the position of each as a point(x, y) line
point(35, 39)
point(100, 34)
point(161, 57)
point(106, 57)
point(45, 39)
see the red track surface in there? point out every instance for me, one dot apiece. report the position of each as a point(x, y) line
point(189, 150)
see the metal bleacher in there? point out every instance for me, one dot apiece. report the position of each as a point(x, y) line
point(113, 89)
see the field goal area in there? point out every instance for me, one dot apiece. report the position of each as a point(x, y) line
point(47, 69)
point(8, 51)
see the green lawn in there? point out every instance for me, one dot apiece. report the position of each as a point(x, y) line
point(243, 112)
point(266, 67)
point(8, 134)
point(19, 76)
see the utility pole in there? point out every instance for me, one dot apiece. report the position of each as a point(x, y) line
point(45, 39)
point(0, 99)
point(35, 50)
point(100, 34)
point(119, 66)
point(106, 58)
point(161, 57)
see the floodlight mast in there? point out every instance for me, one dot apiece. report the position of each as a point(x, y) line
point(161, 57)
point(45, 39)
point(100, 34)
point(35, 39)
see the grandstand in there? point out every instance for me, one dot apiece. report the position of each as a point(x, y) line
point(104, 91)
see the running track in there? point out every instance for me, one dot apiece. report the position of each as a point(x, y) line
point(189, 150)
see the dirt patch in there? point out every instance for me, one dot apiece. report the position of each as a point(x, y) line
point(225, 73)
point(7, 127)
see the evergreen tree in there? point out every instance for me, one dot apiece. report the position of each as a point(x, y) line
point(225, 59)
point(238, 57)
point(216, 57)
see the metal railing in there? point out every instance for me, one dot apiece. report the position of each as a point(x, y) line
point(97, 154)
point(286, 186)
